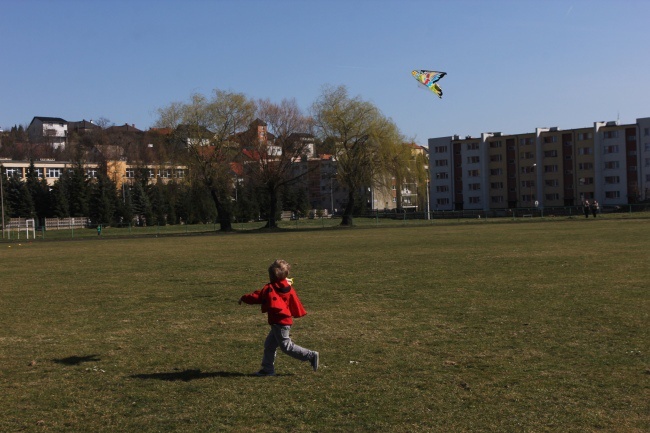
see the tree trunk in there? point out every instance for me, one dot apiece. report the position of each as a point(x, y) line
point(347, 213)
point(225, 223)
point(273, 207)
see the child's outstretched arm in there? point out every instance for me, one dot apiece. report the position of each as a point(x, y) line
point(252, 298)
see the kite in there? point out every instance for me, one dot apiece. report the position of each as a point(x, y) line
point(430, 79)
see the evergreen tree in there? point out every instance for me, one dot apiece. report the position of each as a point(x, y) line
point(40, 192)
point(102, 199)
point(141, 205)
point(158, 202)
point(76, 189)
point(58, 200)
point(19, 199)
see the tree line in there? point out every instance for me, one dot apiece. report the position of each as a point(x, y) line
point(211, 134)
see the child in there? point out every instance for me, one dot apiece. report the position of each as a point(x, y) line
point(281, 302)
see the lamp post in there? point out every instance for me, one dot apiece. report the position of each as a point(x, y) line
point(2, 199)
point(426, 167)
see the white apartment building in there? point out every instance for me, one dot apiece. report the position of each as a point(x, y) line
point(549, 167)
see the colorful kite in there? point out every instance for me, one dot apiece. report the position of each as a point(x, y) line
point(430, 79)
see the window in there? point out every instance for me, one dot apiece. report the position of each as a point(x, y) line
point(496, 199)
point(130, 173)
point(550, 153)
point(54, 173)
point(646, 131)
point(527, 183)
point(586, 181)
point(527, 155)
point(610, 134)
point(152, 173)
point(442, 201)
point(495, 158)
point(475, 200)
point(552, 182)
point(609, 165)
point(496, 171)
point(585, 151)
point(612, 179)
point(472, 146)
point(165, 173)
point(440, 149)
point(442, 175)
point(473, 159)
point(584, 136)
point(474, 186)
point(441, 163)
point(528, 169)
point(526, 141)
point(528, 198)
point(612, 194)
point(551, 197)
point(611, 149)
point(180, 173)
point(496, 185)
point(91, 173)
point(473, 173)
point(647, 162)
point(585, 166)
point(442, 188)
point(550, 139)
point(38, 172)
point(495, 144)
point(550, 168)
point(14, 172)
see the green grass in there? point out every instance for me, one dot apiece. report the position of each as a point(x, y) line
point(536, 326)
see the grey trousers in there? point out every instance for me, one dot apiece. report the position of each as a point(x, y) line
point(279, 337)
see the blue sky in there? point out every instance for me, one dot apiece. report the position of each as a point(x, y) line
point(512, 65)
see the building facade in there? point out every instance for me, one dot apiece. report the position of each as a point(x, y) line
point(609, 163)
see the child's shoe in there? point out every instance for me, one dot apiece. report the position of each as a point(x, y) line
point(314, 361)
point(265, 373)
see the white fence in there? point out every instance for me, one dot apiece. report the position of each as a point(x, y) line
point(66, 223)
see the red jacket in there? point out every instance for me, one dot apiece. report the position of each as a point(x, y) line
point(279, 300)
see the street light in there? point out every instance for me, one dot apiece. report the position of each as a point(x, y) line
point(2, 201)
point(426, 167)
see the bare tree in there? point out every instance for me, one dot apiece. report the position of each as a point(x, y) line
point(205, 127)
point(283, 140)
point(363, 138)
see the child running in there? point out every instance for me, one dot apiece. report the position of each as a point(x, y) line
point(280, 301)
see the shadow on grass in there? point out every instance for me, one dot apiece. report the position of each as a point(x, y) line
point(76, 360)
point(188, 375)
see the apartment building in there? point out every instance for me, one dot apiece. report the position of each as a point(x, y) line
point(549, 167)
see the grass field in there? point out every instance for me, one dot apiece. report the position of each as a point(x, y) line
point(508, 327)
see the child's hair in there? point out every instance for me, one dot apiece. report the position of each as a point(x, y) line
point(279, 270)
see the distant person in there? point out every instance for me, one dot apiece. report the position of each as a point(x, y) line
point(585, 207)
point(594, 208)
point(99, 229)
point(280, 301)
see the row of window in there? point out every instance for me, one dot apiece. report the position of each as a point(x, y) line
point(56, 172)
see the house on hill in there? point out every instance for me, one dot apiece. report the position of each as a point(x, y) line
point(50, 130)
